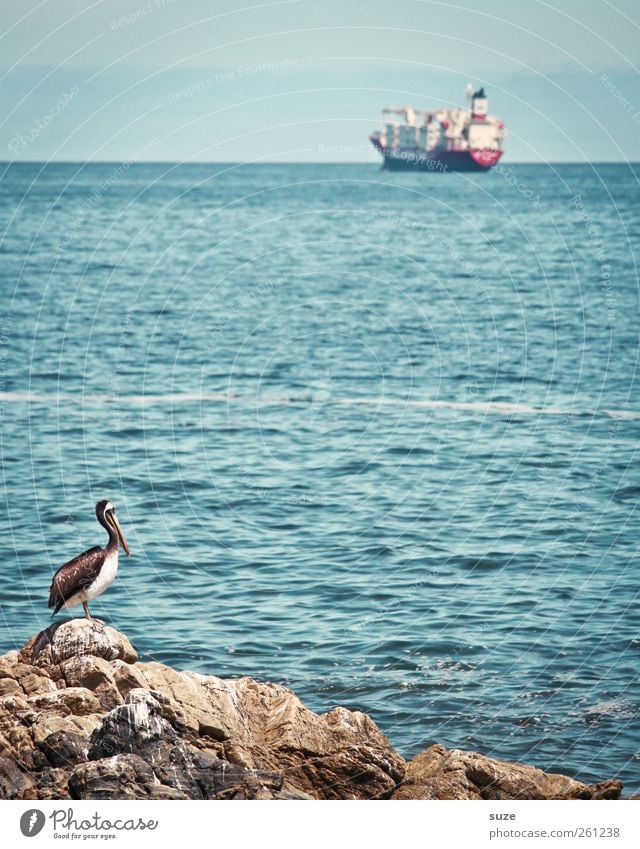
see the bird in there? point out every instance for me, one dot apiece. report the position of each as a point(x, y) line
point(89, 574)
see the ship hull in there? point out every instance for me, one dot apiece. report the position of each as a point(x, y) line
point(414, 159)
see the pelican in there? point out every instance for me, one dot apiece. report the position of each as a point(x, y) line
point(89, 574)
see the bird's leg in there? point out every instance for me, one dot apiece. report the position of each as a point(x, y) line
point(86, 610)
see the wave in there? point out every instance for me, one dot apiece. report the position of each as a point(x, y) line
point(175, 399)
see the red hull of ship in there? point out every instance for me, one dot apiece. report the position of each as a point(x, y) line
point(412, 159)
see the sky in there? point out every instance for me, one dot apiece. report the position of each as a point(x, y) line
point(306, 80)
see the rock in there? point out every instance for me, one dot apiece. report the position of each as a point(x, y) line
point(65, 748)
point(118, 777)
point(205, 776)
point(15, 782)
point(212, 718)
point(16, 719)
point(95, 674)
point(73, 637)
point(8, 662)
point(15, 713)
point(48, 723)
point(148, 727)
point(78, 701)
point(53, 784)
point(87, 724)
point(439, 773)
point(268, 728)
point(16, 706)
point(339, 755)
point(9, 686)
point(81, 718)
point(24, 678)
point(128, 676)
point(131, 728)
point(5, 747)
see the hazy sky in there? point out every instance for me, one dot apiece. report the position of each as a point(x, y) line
point(305, 80)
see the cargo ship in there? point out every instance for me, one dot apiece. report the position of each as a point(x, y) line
point(442, 139)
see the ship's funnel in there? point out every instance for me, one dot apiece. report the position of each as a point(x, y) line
point(479, 104)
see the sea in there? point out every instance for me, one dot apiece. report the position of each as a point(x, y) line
point(372, 436)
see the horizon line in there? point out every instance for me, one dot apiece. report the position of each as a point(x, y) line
point(285, 162)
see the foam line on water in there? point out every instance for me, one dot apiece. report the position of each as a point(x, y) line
point(482, 407)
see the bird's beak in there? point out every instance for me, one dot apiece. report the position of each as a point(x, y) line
point(116, 525)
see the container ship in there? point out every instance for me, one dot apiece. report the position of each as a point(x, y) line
point(441, 140)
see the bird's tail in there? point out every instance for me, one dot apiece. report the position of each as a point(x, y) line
point(56, 602)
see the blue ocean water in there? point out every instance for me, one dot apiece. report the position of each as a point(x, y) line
point(372, 436)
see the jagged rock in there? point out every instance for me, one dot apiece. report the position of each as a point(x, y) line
point(338, 755)
point(5, 746)
point(78, 701)
point(23, 678)
point(8, 663)
point(214, 717)
point(95, 674)
point(53, 784)
point(87, 724)
point(118, 777)
point(128, 676)
point(81, 718)
point(15, 783)
point(16, 719)
point(73, 637)
point(9, 686)
point(47, 723)
point(131, 728)
point(149, 727)
point(270, 729)
point(65, 748)
point(16, 705)
point(439, 773)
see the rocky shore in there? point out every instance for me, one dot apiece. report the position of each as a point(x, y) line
point(81, 718)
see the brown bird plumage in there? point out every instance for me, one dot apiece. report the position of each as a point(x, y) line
point(75, 576)
point(90, 573)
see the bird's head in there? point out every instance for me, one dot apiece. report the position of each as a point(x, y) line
point(106, 515)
